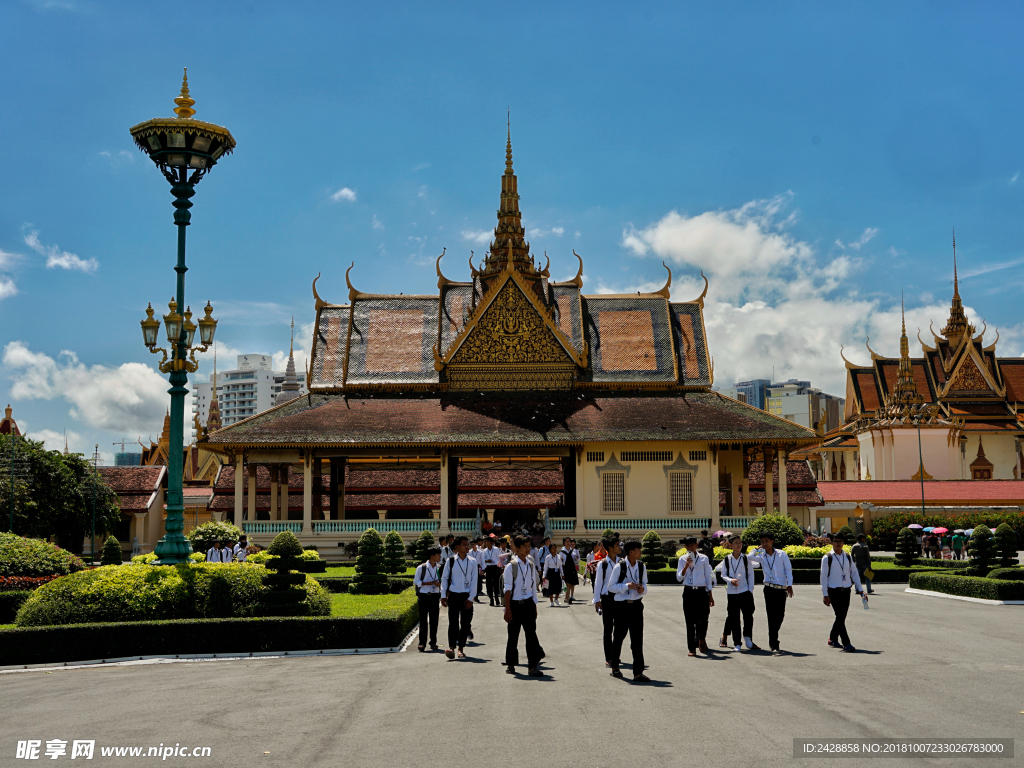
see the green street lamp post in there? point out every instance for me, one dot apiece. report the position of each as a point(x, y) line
point(184, 150)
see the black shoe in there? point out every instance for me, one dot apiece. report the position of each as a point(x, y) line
point(433, 646)
point(534, 672)
point(641, 679)
point(510, 670)
point(616, 672)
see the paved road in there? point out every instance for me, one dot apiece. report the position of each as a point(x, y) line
point(927, 667)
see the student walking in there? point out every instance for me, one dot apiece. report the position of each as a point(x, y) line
point(570, 568)
point(738, 571)
point(553, 565)
point(492, 573)
point(958, 545)
point(778, 585)
point(697, 578)
point(428, 596)
point(520, 598)
point(604, 601)
point(458, 584)
point(629, 585)
point(838, 575)
point(862, 559)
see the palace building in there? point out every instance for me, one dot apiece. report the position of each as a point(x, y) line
point(507, 395)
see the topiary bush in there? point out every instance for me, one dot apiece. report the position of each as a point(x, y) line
point(651, 553)
point(111, 552)
point(906, 547)
point(394, 553)
point(34, 557)
point(1006, 545)
point(10, 602)
point(285, 544)
point(1006, 574)
point(785, 530)
point(981, 549)
point(142, 592)
point(846, 533)
point(202, 538)
point(423, 543)
point(370, 578)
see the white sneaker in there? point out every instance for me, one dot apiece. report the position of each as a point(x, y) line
point(738, 648)
point(749, 642)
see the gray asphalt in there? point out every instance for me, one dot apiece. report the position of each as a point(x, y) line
point(926, 667)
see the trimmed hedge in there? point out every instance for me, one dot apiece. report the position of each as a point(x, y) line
point(85, 642)
point(1007, 574)
point(10, 603)
point(968, 586)
point(885, 529)
point(340, 584)
point(785, 530)
point(34, 557)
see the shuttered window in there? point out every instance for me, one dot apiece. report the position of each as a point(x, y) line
point(613, 493)
point(680, 491)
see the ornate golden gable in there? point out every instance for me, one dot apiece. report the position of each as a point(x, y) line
point(511, 342)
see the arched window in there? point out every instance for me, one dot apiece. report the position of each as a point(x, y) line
point(834, 471)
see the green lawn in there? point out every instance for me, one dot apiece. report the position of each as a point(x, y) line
point(350, 571)
point(8, 626)
point(893, 567)
point(365, 605)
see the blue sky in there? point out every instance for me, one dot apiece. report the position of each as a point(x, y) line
point(812, 159)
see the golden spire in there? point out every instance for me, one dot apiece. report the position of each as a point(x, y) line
point(509, 244)
point(957, 323)
point(508, 147)
point(905, 392)
point(213, 422)
point(291, 345)
point(184, 101)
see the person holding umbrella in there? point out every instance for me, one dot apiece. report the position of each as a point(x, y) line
point(958, 544)
point(917, 529)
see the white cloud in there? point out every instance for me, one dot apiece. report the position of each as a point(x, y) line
point(8, 260)
point(55, 257)
point(984, 269)
point(129, 399)
point(7, 288)
point(54, 441)
point(863, 240)
point(536, 232)
point(377, 223)
point(422, 193)
point(420, 167)
point(478, 236)
point(346, 194)
point(773, 299)
point(118, 159)
point(1014, 179)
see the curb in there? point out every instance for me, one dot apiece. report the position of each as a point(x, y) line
point(930, 593)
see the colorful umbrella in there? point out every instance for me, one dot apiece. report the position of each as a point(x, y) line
point(941, 530)
point(969, 531)
point(930, 528)
point(915, 525)
point(959, 530)
point(720, 533)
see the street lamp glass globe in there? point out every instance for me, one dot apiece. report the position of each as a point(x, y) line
point(172, 322)
point(207, 327)
point(190, 328)
point(150, 327)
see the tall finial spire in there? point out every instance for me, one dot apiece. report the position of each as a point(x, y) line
point(905, 392)
point(184, 101)
point(291, 345)
point(957, 323)
point(956, 279)
point(508, 146)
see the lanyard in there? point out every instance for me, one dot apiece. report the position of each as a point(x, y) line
point(693, 569)
point(527, 570)
point(771, 565)
point(635, 576)
point(464, 569)
point(738, 560)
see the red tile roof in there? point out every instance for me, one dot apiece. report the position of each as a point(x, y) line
point(1009, 492)
point(135, 486)
point(797, 473)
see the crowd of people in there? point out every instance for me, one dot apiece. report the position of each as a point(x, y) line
point(227, 551)
point(514, 574)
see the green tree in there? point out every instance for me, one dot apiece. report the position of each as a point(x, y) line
point(981, 549)
point(651, 553)
point(906, 547)
point(394, 553)
point(846, 533)
point(54, 497)
point(423, 543)
point(786, 531)
point(1006, 545)
point(370, 578)
point(203, 536)
point(111, 552)
point(607, 533)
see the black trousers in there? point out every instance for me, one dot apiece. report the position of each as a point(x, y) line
point(430, 611)
point(493, 577)
point(741, 603)
point(696, 611)
point(775, 612)
point(839, 597)
point(608, 609)
point(629, 620)
point(524, 616)
point(460, 619)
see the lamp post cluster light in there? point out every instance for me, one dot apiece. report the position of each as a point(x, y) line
point(184, 149)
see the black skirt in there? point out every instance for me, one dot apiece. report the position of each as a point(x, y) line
point(569, 572)
point(554, 578)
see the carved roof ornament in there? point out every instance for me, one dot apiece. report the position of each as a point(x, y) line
point(665, 291)
point(700, 299)
point(957, 324)
point(442, 281)
point(905, 392)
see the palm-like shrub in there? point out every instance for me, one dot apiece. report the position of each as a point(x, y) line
point(650, 552)
point(111, 552)
point(423, 543)
point(846, 534)
point(202, 538)
point(906, 547)
point(981, 549)
point(1006, 545)
point(785, 530)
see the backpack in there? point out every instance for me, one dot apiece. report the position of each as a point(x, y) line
point(706, 548)
point(451, 564)
point(746, 568)
point(622, 572)
point(830, 566)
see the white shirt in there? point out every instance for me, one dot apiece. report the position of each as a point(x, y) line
point(842, 574)
point(776, 566)
point(732, 568)
point(573, 553)
point(214, 555)
point(446, 552)
point(553, 561)
point(699, 574)
point(524, 587)
point(489, 556)
point(240, 552)
point(426, 573)
point(635, 573)
point(600, 583)
point(462, 579)
point(590, 558)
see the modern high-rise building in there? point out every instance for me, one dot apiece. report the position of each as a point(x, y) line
point(802, 404)
point(749, 392)
point(252, 387)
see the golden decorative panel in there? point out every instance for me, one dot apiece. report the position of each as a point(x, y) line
point(510, 331)
point(627, 341)
point(968, 378)
point(395, 342)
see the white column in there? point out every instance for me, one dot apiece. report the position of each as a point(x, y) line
point(274, 473)
point(581, 497)
point(283, 507)
point(783, 498)
point(443, 526)
point(239, 490)
point(307, 493)
point(769, 481)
